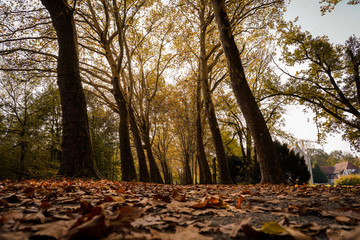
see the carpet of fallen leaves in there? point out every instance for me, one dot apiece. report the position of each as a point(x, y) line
point(78, 209)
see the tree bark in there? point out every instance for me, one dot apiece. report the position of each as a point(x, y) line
point(155, 175)
point(205, 174)
point(143, 169)
point(187, 178)
point(210, 111)
point(267, 157)
point(127, 162)
point(77, 153)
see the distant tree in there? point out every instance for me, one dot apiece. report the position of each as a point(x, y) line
point(318, 156)
point(292, 165)
point(318, 175)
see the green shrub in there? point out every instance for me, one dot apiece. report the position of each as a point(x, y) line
point(349, 180)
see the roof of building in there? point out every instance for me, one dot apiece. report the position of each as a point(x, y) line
point(339, 168)
point(327, 170)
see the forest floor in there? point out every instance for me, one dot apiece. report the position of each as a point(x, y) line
point(78, 209)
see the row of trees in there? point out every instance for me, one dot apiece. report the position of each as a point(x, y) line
point(157, 86)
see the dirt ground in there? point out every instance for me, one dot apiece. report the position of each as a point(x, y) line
point(78, 209)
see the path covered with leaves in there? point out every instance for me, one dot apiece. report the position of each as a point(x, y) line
point(80, 209)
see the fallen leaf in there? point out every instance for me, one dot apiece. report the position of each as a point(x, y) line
point(345, 220)
point(52, 230)
point(96, 228)
point(297, 234)
point(233, 229)
point(272, 228)
point(188, 233)
point(239, 202)
point(11, 217)
point(34, 217)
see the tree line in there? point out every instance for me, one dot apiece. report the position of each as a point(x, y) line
point(158, 91)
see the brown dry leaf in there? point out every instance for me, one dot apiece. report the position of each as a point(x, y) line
point(163, 198)
point(34, 217)
point(353, 235)
point(96, 228)
point(14, 236)
point(11, 217)
point(55, 230)
point(188, 233)
point(345, 220)
point(29, 192)
point(336, 234)
point(211, 202)
point(147, 220)
point(4, 203)
point(297, 234)
point(233, 229)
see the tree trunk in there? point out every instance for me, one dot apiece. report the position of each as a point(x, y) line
point(210, 111)
point(77, 153)
point(127, 162)
point(267, 157)
point(143, 169)
point(205, 174)
point(155, 175)
point(166, 171)
point(187, 179)
point(24, 145)
point(214, 171)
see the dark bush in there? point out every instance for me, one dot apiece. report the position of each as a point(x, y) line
point(292, 165)
point(318, 175)
point(248, 171)
point(243, 170)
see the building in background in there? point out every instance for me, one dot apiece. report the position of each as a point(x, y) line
point(339, 170)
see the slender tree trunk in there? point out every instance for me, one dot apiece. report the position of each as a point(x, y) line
point(211, 116)
point(77, 153)
point(155, 175)
point(214, 171)
point(143, 169)
point(166, 171)
point(187, 171)
point(24, 145)
point(127, 162)
point(205, 174)
point(267, 157)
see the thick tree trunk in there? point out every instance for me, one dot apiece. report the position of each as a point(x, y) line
point(77, 153)
point(205, 174)
point(267, 157)
point(127, 162)
point(210, 111)
point(143, 169)
point(356, 75)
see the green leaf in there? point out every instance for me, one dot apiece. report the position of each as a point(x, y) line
point(272, 228)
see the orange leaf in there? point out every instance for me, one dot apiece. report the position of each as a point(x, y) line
point(239, 202)
point(200, 205)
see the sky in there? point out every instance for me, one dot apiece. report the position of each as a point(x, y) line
point(338, 25)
